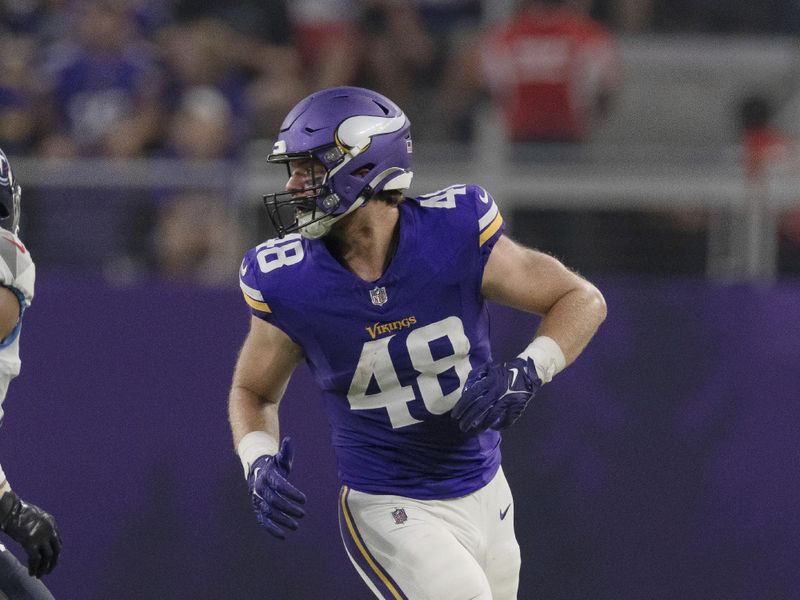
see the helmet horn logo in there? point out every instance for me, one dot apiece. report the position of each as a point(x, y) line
point(358, 131)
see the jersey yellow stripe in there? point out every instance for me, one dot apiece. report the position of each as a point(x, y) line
point(357, 540)
point(491, 229)
point(262, 306)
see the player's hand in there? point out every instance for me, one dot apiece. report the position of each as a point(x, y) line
point(276, 502)
point(34, 530)
point(495, 395)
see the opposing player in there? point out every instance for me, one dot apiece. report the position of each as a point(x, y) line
point(26, 524)
point(384, 297)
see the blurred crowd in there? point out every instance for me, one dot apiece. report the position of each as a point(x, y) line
point(201, 80)
point(133, 78)
point(130, 78)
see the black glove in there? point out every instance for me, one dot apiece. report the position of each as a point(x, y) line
point(34, 530)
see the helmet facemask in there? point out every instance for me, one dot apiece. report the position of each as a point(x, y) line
point(296, 209)
point(315, 207)
point(16, 201)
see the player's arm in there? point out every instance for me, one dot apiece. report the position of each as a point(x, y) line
point(9, 312)
point(28, 525)
point(265, 364)
point(496, 394)
point(572, 308)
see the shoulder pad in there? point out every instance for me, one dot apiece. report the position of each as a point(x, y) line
point(474, 203)
point(263, 266)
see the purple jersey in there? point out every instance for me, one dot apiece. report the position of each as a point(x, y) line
point(391, 356)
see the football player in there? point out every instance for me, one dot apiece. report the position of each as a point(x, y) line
point(26, 524)
point(384, 297)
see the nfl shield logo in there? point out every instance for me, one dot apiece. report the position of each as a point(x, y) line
point(378, 296)
point(399, 516)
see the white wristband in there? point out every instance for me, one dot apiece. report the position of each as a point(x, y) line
point(253, 445)
point(548, 358)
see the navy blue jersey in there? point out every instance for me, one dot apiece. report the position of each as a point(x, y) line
point(391, 356)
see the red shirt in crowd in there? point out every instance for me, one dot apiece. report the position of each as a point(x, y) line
point(764, 146)
point(548, 68)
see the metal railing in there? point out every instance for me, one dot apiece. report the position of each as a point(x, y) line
point(742, 216)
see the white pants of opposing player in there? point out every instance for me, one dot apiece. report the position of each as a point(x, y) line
point(457, 549)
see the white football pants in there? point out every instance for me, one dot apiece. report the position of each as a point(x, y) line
point(456, 549)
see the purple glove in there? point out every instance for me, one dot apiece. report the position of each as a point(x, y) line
point(276, 502)
point(495, 395)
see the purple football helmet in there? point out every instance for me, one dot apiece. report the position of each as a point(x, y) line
point(362, 141)
point(10, 196)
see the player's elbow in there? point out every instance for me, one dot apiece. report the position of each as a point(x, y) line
point(595, 303)
point(9, 312)
point(247, 396)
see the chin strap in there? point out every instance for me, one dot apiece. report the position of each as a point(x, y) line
point(319, 228)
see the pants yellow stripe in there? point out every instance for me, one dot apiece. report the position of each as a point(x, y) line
point(351, 528)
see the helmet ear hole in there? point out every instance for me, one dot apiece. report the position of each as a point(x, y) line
point(362, 171)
